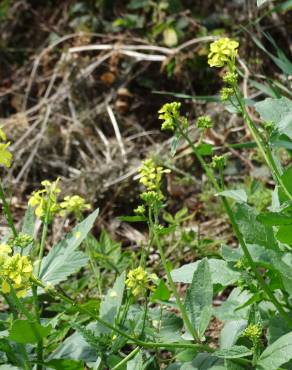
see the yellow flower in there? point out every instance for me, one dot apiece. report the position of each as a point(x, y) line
point(16, 271)
point(74, 204)
point(170, 114)
point(5, 155)
point(139, 281)
point(222, 52)
point(253, 331)
point(151, 175)
point(46, 200)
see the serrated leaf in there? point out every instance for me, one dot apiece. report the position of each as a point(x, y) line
point(199, 297)
point(276, 354)
point(238, 194)
point(63, 259)
point(220, 272)
point(24, 331)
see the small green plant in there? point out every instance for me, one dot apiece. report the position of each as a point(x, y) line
point(145, 320)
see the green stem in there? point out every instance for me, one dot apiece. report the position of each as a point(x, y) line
point(181, 307)
point(144, 316)
point(237, 232)
point(127, 358)
point(40, 343)
point(7, 211)
point(42, 245)
point(264, 147)
point(132, 340)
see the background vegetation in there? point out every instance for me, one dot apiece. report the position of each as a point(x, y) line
point(81, 83)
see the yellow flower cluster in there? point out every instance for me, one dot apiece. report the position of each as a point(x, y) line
point(222, 52)
point(45, 201)
point(139, 281)
point(170, 114)
point(5, 155)
point(253, 331)
point(151, 175)
point(15, 271)
point(73, 204)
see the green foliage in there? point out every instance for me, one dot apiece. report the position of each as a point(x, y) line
point(155, 303)
point(199, 298)
point(63, 259)
point(24, 331)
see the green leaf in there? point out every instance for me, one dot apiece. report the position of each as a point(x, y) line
point(287, 180)
point(174, 143)
point(199, 297)
point(205, 361)
point(233, 352)
point(75, 347)
point(276, 354)
point(231, 332)
point(63, 259)
point(253, 231)
point(110, 305)
point(220, 272)
point(284, 234)
point(205, 149)
point(274, 218)
point(161, 293)
point(279, 111)
point(277, 328)
point(239, 195)
point(137, 218)
point(136, 363)
point(24, 331)
point(227, 310)
point(65, 364)
point(170, 325)
point(28, 227)
point(28, 221)
point(186, 355)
